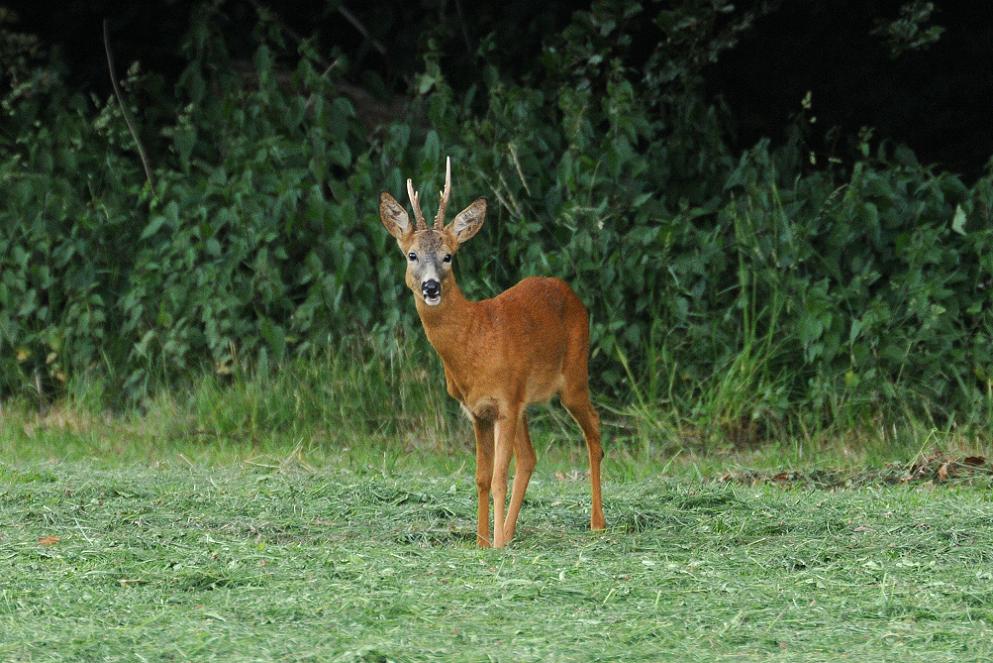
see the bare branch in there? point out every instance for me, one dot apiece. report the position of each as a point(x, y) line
point(357, 24)
point(465, 33)
point(313, 96)
point(124, 110)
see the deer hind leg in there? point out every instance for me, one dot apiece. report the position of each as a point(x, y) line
point(579, 406)
point(504, 434)
point(524, 463)
point(484, 476)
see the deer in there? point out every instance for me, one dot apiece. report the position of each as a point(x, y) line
point(524, 346)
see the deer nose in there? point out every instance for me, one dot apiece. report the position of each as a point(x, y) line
point(431, 288)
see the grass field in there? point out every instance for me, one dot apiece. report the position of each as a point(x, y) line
point(117, 551)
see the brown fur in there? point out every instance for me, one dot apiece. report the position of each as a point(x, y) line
point(525, 345)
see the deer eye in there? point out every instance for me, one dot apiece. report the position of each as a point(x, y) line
point(447, 258)
point(412, 257)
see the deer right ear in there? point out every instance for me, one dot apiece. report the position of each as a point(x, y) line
point(468, 222)
point(394, 216)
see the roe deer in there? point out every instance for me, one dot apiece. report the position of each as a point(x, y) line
point(523, 346)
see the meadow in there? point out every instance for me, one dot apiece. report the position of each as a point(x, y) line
point(223, 437)
point(122, 538)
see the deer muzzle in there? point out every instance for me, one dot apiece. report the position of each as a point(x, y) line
point(431, 290)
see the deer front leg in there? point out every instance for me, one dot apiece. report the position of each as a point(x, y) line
point(484, 475)
point(505, 430)
point(523, 467)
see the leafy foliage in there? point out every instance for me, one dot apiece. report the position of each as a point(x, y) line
point(746, 287)
point(910, 31)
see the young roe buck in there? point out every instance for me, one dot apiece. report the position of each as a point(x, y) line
point(523, 346)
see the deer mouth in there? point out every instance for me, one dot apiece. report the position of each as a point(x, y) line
point(432, 301)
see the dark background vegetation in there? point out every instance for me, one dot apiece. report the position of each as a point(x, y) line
point(935, 99)
point(778, 213)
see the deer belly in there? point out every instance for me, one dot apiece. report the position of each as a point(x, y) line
point(541, 388)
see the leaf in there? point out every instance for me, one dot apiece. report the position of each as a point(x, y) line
point(855, 330)
point(943, 471)
point(153, 226)
point(184, 140)
point(424, 83)
point(958, 221)
point(432, 148)
point(339, 154)
point(170, 213)
point(48, 540)
point(975, 461)
point(641, 200)
point(810, 329)
point(274, 336)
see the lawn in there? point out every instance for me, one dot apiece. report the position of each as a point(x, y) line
point(369, 556)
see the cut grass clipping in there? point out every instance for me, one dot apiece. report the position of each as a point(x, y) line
point(304, 560)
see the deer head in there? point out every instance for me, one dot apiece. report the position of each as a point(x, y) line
point(429, 251)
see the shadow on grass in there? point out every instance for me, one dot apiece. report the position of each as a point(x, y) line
point(437, 537)
point(199, 581)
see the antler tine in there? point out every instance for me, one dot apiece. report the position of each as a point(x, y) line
point(439, 221)
point(415, 202)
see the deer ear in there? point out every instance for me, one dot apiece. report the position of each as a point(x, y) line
point(394, 216)
point(468, 222)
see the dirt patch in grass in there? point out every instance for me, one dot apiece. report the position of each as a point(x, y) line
point(935, 468)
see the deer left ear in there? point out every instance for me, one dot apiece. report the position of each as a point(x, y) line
point(468, 222)
point(394, 216)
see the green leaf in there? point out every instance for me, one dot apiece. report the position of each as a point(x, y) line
point(184, 140)
point(958, 221)
point(170, 213)
point(274, 336)
point(810, 329)
point(340, 154)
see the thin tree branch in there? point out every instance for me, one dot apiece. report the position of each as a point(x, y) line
point(124, 110)
point(357, 24)
point(465, 31)
point(327, 70)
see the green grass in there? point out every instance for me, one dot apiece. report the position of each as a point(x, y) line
point(193, 550)
point(326, 512)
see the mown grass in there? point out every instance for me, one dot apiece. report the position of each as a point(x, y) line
point(180, 552)
point(326, 512)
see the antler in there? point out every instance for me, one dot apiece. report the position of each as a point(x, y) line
point(439, 221)
point(415, 199)
point(415, 202)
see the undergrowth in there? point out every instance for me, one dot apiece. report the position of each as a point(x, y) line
point(735, 297)
point(358, 402)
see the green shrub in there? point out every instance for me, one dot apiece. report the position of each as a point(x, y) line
point(741, 290)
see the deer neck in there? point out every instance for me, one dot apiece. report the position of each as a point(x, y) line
point(447, 324)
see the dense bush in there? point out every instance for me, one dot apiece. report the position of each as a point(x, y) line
point(742, 288)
